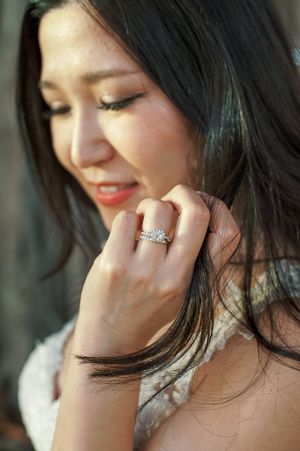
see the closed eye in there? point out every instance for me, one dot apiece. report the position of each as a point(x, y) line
point(117, 106)
point(50, 112)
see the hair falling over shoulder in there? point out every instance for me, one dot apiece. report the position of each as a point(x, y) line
point(227, 66)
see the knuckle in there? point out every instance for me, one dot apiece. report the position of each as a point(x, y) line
point(169, 289)
point(144, 204)
point(180, 187)
point(160, 208)
point(157, 205)
point(113, 270)
point(156, 208)
point(199, 215)
point(142, 278)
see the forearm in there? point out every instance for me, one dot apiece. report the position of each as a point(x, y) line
point(130, 294)
point(94, 415)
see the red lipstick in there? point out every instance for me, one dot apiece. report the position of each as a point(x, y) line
point(110, 194)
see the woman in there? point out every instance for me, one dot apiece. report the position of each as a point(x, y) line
point(178, 122)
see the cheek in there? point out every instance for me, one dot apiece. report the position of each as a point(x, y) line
point(152, 137)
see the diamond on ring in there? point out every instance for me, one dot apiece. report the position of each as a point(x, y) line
point(156, 236)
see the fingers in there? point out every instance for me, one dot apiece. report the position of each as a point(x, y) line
point(151, 214)
point(121, 241)
point(192, 214)
point(192, 224)
point(224, 236)
point(200, 213)
point(155, 214)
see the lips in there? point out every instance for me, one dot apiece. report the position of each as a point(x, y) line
point(110, 194)
point(113, 188)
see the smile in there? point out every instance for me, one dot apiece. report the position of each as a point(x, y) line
point(113, 188)
point(110, 195)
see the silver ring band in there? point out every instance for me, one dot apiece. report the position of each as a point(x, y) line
point(156, 236)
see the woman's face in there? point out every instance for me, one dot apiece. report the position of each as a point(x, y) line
point(112, 128)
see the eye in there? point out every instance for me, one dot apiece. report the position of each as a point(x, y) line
point(117, 106)
point(50, 112)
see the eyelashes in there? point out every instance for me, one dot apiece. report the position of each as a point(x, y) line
point(48, 113)
point(117, 106)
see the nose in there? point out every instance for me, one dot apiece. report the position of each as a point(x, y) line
point(89, 145)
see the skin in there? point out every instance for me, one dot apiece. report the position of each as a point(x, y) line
point(135, 289)
point(148, 142)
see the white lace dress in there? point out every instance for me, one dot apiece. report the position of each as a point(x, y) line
point(36, 384)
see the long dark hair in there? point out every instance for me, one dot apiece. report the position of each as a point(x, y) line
point(226, 65)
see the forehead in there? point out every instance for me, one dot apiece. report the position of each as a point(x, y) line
point(69, 35)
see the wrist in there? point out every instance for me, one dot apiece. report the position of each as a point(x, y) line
point(104, 340)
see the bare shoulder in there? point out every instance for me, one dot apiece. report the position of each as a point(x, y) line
point(241, 400)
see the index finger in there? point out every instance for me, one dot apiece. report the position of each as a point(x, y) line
point(191, 227)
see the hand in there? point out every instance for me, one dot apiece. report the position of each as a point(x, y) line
point(136, 288)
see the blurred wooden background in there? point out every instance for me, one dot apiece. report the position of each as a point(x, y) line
point(31, 311)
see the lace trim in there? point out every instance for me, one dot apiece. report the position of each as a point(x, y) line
point(36, 388)
point(36, 383)
point(227, 323)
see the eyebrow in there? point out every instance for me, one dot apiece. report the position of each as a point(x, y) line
point(91, 78)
